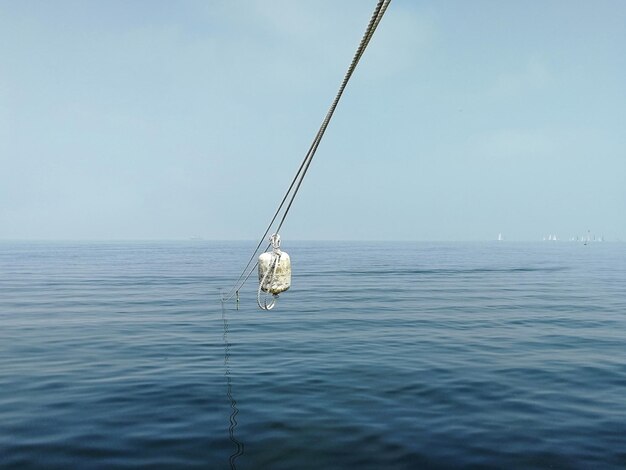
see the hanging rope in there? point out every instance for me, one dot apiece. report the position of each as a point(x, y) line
point(267, 280)
point(294, 187)
point(264, 305)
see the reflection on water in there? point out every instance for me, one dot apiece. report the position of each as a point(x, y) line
point(229, 393)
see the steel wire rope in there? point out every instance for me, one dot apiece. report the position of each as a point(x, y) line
point(377, 15)
point(304, 166)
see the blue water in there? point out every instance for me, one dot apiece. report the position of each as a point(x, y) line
point(382, 355)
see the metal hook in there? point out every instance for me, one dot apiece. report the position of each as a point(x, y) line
point(275, 240)
point(271, 305)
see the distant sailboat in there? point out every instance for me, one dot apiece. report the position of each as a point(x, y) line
point(500, 237)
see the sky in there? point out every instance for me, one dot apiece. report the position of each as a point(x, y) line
point(170, 120)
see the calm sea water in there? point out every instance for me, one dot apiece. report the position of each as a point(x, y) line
point(382, 355)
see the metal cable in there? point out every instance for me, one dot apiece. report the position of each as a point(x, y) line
point(380, 9)
point(377, 15)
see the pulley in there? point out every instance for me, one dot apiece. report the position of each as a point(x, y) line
point(274, 273)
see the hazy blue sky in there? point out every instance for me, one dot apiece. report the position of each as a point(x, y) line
point(160, 119)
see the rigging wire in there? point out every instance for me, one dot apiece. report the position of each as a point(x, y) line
point(377, 15)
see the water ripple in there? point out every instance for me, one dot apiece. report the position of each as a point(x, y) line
point(408, 355)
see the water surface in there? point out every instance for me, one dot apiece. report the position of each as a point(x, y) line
point(382, 355)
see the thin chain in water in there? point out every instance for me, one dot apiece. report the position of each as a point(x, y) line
point(239, 449)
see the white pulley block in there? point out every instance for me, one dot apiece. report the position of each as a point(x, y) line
point(274, 269)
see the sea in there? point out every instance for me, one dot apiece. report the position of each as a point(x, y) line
point(382, 355)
